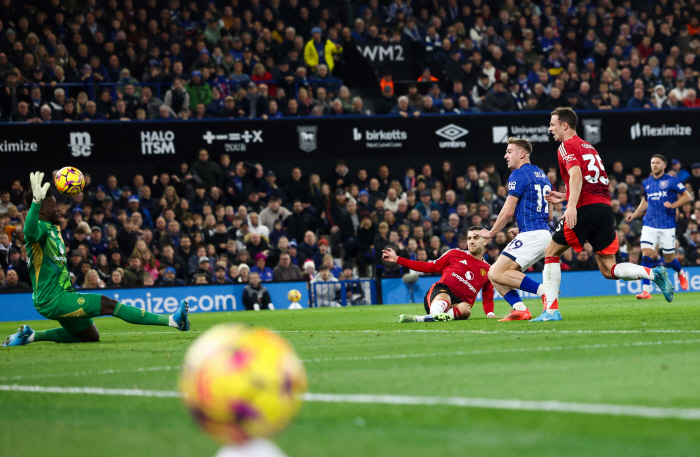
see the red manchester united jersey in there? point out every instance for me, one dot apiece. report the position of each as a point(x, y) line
point(463, 273)
point(576, 152)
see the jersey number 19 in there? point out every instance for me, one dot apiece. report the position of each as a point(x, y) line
point(542, 192)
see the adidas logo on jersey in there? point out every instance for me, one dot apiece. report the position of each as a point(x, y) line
point(463, 261)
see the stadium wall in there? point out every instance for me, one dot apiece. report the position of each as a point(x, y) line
point(164, 300)
point(124, 148)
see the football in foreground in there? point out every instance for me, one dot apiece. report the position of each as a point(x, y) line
point(241, 383)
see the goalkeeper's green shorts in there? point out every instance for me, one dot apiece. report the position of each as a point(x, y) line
point(73, 310)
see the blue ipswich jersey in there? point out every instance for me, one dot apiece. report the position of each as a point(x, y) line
point(657, 192)
point(530, 185)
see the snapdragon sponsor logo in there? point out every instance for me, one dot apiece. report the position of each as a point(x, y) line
point(538, 134)
point(235, 142)
point(18, 146)
point(464, 281)
point(157, 142)
point(380, 138)
point(452, 133)
point(645, 130)
point(165, 304)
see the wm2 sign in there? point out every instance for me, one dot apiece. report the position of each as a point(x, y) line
point(379, 53)
point(394, 57)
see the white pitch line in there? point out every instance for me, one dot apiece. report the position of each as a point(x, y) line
point(499, 351)
point(377, 357)
point(692, 414)
point(520, 332)
point(88, 373)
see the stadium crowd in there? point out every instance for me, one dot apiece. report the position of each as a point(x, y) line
point(218, 222)
point(157, 59)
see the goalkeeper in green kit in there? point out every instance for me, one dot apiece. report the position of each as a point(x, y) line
point(54, 296)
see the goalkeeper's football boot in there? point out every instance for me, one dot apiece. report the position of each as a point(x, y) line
point(546, 317)
point(20, 338)
point(661, 280)
point(181, 316)
point(407, 318)
point(683, 280)
point(517, 316)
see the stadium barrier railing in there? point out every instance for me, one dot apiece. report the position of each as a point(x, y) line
point(348, 292)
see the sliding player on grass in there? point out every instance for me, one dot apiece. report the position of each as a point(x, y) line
point(660, 200)
point(464, 274)
point(588, 217)
point(54, 296)
point(527, 187)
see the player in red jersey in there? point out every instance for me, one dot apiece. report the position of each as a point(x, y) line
point(464, 274)
point(588, 217)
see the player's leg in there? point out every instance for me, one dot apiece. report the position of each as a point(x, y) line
point(72, 330)
point(551, 278)
point(631, 272)
point(647, 262)
point(437, 304)
point(460, 312)
point(667, 241)
point(507, 273)
point(649, 241)
point(134, 315)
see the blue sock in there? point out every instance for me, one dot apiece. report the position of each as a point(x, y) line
point(512, 297)
point(676, 265)
point(646, 262)
point(528, 285)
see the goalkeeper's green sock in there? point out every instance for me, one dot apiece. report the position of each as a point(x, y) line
point(134, 315)
point(58, 335)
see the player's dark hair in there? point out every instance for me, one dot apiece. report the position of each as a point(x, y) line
point(659, 156)
point(475, 228)
point(28, 196)
point(567, 115)
point(522, 143)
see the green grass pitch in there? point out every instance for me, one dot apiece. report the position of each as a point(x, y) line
point(608, 350)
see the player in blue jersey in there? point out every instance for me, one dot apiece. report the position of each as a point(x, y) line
point(660, 200)
point(527, 187)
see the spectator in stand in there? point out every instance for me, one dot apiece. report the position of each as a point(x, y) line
point(639, 100)
point(177, 98)
point(255, 295)
point(265, 272)
point(403, 109)
point(285, 270)
point(691, 101)
point(318, 50)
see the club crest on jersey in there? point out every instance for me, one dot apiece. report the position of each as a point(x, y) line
point(81, 301)
point(663, 184)
point(483, 272)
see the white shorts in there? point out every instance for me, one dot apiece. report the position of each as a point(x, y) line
point(653, 238)
point(527, 248)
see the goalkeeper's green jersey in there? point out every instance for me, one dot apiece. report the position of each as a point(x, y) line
point(47, 258)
